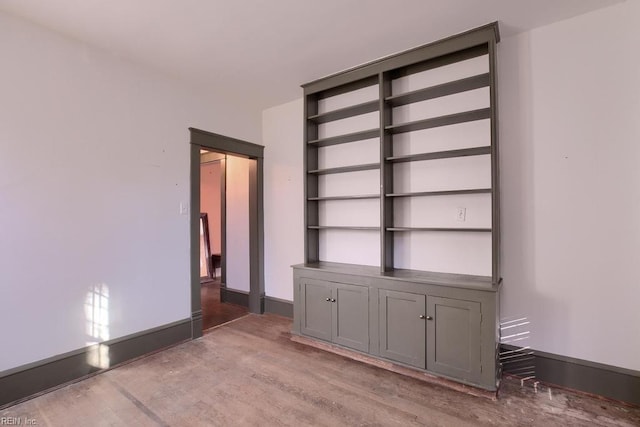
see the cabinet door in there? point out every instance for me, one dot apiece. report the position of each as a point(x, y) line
point(315, 309)
point(453, 332)
point(402, 330)
point(351, 316)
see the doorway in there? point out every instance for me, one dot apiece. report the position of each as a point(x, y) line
point(217, 301)
point(254, 271)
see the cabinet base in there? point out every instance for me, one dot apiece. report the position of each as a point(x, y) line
point(393, 367)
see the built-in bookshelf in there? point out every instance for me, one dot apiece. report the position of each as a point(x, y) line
point(402, 224)
point(424, 127)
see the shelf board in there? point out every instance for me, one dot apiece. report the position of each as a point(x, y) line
point(464, 152)
point(341, 227)
point(427, 277)
point(356, 197)
point(451, 119)
point(343, 113)
point(449, 88)
point(342, 169)
point(438, 229)
point(440, 192)
point(343, 139)
point(329, 92)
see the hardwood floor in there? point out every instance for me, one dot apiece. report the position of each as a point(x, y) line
point(249, 372)
point(214, 312)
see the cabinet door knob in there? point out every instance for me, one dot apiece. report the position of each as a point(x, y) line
point(328, 300)
point(333, 300)
point(422, 316)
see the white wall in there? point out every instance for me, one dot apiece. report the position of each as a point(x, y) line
point(570, 150)
point(283, 205)
point(570, 156)
point(237, 205)
point(94, 162)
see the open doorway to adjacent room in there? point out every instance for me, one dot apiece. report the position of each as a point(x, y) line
point(219, 306)
point(226, 229)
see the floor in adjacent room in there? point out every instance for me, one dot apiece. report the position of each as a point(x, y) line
point(215, 312)
point(248, 372)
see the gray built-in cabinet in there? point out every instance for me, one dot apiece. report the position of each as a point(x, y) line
point(336, 312)
point(402, 238)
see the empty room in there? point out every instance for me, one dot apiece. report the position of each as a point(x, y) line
point(320, 213)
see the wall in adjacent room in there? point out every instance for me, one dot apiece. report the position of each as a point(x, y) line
point(94, 164)
point(237, 193)
point(211, 201)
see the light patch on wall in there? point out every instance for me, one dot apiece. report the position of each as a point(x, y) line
point(96, 309)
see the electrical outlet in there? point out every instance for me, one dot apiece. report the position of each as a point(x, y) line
point(184, 208)
point(461, 214)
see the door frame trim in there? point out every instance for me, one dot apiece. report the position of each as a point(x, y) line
point(201, 139)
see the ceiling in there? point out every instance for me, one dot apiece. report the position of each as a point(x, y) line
point(258, 52)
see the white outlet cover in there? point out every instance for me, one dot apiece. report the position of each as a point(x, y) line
point(184, 208)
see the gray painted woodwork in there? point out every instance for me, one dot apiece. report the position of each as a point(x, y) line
point(460, 337)
point(403, 327)
point(226, 145)
point(343, 113)
point(474, 43)
point(194, 239)
point(476, 151)
point(278, 306)
point(454, 330)
point(451, 119)
point(316, 309)
point(386, 174)
point(441, 61)
point(256, 237)
point(223, 222)
point(440, 90)
point(342, 139)
point(453, 44)
point(342, 169)
point(446, 324)
point(360, 196)
point(340, 227)
point(440, 192)
point(495, 163)
point(234, 296)
point(350, 325)
point(335, 312)
point(310, 162)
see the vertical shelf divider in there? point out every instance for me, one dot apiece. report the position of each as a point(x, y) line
point(386, 175)
point(495, 175)
point(311, 236)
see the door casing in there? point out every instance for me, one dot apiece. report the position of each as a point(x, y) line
point(201, 139)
